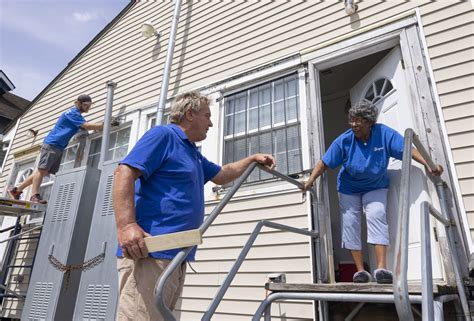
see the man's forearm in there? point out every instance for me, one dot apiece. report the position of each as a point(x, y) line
point(123, 197)
point(233, 170)
point(236, 169)
point(92, 126)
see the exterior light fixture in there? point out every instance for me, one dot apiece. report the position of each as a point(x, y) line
point(31, 133)
point(148, 30)
point(350, 7)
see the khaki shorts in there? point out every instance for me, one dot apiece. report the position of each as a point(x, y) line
point(137, 279)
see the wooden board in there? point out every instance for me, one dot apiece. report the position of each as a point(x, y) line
point(173, 240)
point(344, 287)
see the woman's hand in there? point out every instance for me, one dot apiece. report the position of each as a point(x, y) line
point(438, 171)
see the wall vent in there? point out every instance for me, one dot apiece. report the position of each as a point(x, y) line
point(62, 205)
point(96, 302)
point(40, 302)
point(107, 208)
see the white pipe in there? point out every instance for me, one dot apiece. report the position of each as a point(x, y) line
point(107, 118)
point(167, 69)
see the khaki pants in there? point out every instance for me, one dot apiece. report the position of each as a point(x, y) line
point(137, 279)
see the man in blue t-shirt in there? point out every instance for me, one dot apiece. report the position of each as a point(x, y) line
point(159, 189)
point(53, 146)
point(363, 153)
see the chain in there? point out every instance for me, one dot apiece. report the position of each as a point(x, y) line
point(66, 269)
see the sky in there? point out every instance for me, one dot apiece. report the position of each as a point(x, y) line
point(38, 38)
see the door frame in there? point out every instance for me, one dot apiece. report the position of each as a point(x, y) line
point(408, 34)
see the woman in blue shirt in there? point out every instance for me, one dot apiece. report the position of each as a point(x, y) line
point(363, 152)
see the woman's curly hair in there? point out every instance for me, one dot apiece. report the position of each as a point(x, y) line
point(365, 110)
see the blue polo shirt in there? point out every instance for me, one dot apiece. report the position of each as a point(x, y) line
point(67, 126)
point(169, 196)
point(364, 166)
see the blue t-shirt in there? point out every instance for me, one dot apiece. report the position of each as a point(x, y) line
point(364, 166)
point(169, 196)
point(67, 126)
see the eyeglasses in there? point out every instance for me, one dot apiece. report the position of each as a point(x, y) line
point(357, 121)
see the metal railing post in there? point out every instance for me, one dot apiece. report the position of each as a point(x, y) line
point(400, 284)
point(426, 265)
point(445, 214)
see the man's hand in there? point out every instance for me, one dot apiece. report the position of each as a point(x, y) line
point(115, 122)
point(264, 159)
point(307, 185)
point(131, 240)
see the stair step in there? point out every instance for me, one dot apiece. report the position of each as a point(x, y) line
point(344, 287)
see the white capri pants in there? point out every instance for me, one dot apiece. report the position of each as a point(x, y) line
point(373, 204)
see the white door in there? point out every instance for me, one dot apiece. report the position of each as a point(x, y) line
point(386, 86)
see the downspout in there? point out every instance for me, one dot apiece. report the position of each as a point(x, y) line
point(167, 69)
point(107, 118)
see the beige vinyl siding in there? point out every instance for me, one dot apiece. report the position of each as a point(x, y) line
point(222, 39)
point(219, 40)
point(274, 251)
point(449, 36)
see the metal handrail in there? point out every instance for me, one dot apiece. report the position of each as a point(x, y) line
point(400, 283)
point(243, 254)
point(20, 234)
point(181, 256)
point(264, 307)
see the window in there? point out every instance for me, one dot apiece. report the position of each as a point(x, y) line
point(118, 147)
point(378, 90)
point(264, 119)
point(68, 159)
point(152, 119)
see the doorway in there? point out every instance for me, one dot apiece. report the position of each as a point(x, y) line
point(379, 77)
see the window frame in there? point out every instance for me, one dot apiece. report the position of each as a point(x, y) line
point(300, 77)
point(272, 184)
point(98, 135)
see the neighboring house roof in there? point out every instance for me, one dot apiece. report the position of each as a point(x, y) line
point(5, 83)
point(11, 108)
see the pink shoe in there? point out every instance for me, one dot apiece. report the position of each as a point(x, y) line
point(14, 193)
point(37, 199)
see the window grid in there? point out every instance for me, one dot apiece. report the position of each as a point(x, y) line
point(264, 119)
point(68, 159)
point(118, 147)
point(378, 90)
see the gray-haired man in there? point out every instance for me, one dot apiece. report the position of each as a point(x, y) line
point(168, 197)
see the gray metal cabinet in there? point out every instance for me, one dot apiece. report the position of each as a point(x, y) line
point(52, 294)
point(98, 291)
